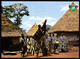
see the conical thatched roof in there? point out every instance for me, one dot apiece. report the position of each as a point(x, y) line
point(9, 29)
point(33, 30)
point(69, 22)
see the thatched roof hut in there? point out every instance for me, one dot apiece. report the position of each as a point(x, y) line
point(33, 30)
point(69, 22)
point(10, 34)
point(68, 25)
point(9, 29)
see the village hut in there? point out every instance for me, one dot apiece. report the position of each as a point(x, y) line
point(10, 34)
point(68, 25)
point(33, 30)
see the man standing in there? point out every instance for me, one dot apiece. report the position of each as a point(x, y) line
point(63, 43)
point(49, 43)
point(55, 43)
point(44, 49)
point(28, 46)
point(24, 47)
point(32, 45)
point(37, 50)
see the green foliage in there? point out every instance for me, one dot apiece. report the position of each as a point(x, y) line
point(16, 11)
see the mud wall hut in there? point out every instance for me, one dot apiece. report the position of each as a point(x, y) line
point(10, 34)
point(69, 26)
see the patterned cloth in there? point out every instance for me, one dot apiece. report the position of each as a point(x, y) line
point(28, 45)
point(63, 43)
point(54, 40)
point(47, 42)
point(24, 41)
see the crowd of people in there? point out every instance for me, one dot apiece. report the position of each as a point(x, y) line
point(55, 43)
point(52, 44)
point(28, 45)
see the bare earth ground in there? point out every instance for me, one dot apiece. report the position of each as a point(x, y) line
point(72, 53)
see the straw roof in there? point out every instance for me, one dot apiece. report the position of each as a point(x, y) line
point(69, 22)
point(33, 30)
point(9, 29)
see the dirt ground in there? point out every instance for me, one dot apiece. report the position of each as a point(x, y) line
point(72, 53)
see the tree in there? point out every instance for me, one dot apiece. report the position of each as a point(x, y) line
point(15, 11)
point(48, 27)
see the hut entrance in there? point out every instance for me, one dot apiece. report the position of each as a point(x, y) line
point(6, 42)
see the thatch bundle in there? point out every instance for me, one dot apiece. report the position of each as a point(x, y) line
point(69, 22)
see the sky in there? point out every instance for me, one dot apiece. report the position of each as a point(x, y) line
point(41, 10)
